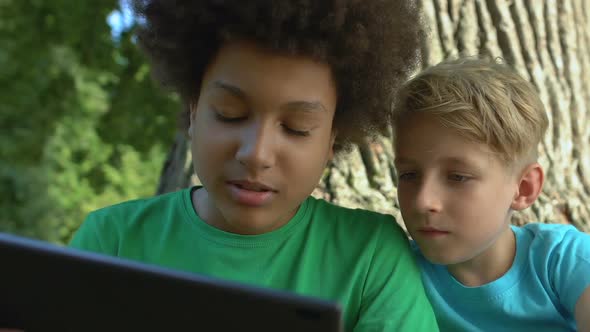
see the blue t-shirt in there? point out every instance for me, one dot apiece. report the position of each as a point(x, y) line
point(539, 292)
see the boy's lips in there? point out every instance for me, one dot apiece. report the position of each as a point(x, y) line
point(251, 185)
point(432, 232)
point(251, 193)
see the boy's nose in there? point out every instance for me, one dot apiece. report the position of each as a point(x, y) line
point(256, 150)
point(428, 199)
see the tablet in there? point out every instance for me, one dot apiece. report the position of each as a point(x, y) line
point(45, 287)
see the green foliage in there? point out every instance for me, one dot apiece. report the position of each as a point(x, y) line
point(82, 125)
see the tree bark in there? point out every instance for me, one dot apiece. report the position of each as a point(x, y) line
point(546, 41)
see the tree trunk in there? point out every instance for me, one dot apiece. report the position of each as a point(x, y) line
point(547, 42)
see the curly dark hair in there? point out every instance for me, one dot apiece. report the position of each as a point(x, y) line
point(371, 46)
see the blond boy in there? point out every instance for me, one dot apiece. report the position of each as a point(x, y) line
point(466, 137)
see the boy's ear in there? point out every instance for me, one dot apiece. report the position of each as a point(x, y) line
point(529, 188)
point(191, 109)
point(332, 141)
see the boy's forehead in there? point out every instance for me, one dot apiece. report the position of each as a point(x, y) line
point(451, 159)
point(426, 139)
point(252, 65)
point(240, 54)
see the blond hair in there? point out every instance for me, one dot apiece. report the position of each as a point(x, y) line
point(485, 101)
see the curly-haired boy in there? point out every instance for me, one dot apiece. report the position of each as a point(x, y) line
point(275, 88)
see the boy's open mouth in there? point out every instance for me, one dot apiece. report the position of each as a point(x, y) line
point(252, 194)
point(251, 186)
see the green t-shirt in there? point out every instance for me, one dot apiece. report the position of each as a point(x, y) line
point(360, 259)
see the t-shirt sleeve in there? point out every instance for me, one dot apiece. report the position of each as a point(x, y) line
point(394, 298)
point(570, 266)
point(89, 236)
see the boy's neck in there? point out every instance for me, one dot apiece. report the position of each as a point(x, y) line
point(489, 265)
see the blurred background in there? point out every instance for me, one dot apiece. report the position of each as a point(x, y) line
point(83, 125)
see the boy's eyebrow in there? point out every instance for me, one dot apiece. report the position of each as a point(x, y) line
point(460, 161)
point(464, 162)
point(304, 106)
point(230, 88)
point(298, 105)
point(446, 160)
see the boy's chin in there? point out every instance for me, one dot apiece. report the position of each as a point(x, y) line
point(437, 256)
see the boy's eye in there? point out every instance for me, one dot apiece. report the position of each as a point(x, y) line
point(407, 176)
point(296, 132)
point(458, 178)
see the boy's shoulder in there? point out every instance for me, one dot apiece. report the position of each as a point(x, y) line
point(339, 210)
point(559, 256)
point(553, 242)
point(130, 210)
point(153, 201)
point(342, 216)
point(355, 222)
point(104, 229)
point(543, 229)
point(551, 235)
